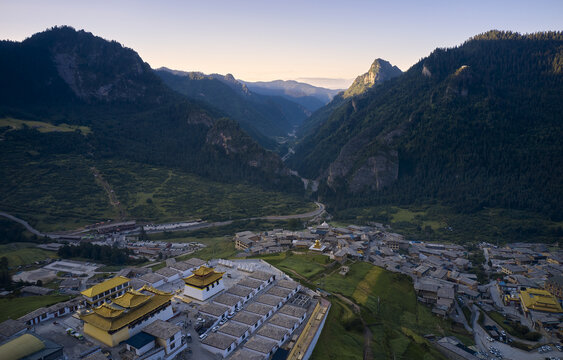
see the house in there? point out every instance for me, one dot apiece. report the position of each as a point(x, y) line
point(51, 312)
point(261, 345)
point(255, 285)
point(239, 331)
point(153, 280)
point(168, 336)
point(35, 291)
point(555, 286)
point(100, 293)
point(70, 285)
point(271, 300)
point(204, 283)
point(229, 300)
point(263, 276)
point(219, 343)
point(244, 354)
point(279, 335)
point(214, 310)
point(168, 273)
point(10, 328)
point(246, 318)
point(241, 291)
point(265, 311)
point(284, 293)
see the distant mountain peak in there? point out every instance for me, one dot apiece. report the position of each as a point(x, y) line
point(379, 71)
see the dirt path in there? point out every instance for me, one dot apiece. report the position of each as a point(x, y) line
point(109, 191)
point(368, 354)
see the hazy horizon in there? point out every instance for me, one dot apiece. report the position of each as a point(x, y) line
point(325, 42)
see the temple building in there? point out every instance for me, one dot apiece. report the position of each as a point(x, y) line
point(203, 283)
point(317, 246)
point(539, 300)
point(116, 321)
point(104, 291)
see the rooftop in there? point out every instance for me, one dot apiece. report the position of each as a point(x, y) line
point(140, 340)
point(260, 309)
point(162, 329)
point(21, 347)
point(157, 299)
point(243, 354)
point(261, 275)
point(278, 291)
point(10, 327)
point(167, 272)
point(203, 276)
point(236, 330)
point(213, 309)
point(227, 299)
point(272, 332)
point(259, 344)
point(540, 300)
point(268, 299)
point(282, 320)
point(105, 286)
point(151, 278)
point(291, 310)
point(219, 341)
point(246, 318)
point(131, 299)
point(240, 291)
point(250, 283)
point(288, 284)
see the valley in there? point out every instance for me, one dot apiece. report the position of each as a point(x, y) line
point(416, 214)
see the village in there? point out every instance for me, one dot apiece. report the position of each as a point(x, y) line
point(508, 297)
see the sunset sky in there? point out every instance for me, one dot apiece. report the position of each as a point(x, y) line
point(268, 40)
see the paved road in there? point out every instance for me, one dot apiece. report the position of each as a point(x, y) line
point(203, 225)
point(24, 223)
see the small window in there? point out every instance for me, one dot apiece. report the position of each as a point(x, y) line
point(229, 348)
point(172, 346)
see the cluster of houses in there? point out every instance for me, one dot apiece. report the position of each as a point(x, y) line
point(532, 281)
point(339, 242)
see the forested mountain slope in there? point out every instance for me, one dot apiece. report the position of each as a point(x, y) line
point(262, 116)
point(476, 125)
point(73, 77)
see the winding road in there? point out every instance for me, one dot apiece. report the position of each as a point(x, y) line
point(310, 214)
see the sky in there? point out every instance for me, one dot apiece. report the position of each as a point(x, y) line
point(321, 42)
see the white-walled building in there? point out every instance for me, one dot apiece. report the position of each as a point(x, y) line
point(203, 283)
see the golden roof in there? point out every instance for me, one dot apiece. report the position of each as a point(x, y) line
point(21, 347)
point(105, 286)
point(203, 276)
point(157, 300)
point(540, 300)
point(108, 311)
point(131, 299)
point(317, 244)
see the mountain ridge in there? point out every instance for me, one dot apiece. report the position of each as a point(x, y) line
point(460, 126)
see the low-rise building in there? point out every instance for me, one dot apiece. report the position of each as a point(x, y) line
point(261, 345)
point(100, 293)
point(555, 286)
point(239, 331)
point(219, 343)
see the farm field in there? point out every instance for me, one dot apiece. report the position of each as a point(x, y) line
point(17, 307)
point(24, 254)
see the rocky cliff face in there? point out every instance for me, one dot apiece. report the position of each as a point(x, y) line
point(379, 71)
point(96, 69)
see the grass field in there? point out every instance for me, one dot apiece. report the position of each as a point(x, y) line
point(43, 127)
point(307, 265)
point(388, 307)
point(24, 254)
point(13, 308)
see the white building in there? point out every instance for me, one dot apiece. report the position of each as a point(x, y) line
point(203, 283)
